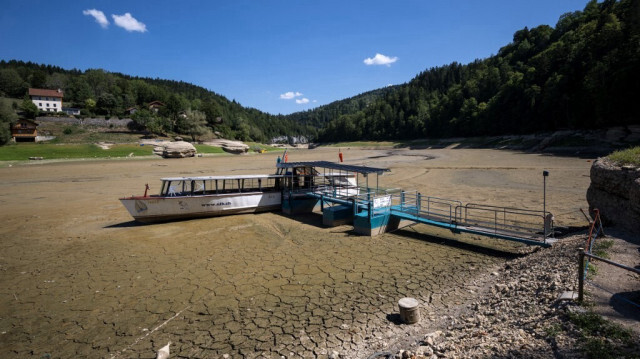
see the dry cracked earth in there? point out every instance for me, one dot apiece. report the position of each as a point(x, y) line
point(80, 279)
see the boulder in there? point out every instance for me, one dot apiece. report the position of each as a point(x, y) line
point(634, 134)
point(235, 149)
point(179, 149)
point(616, 134)
point(615, 191)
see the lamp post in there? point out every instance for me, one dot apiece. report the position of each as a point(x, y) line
point(545, 174)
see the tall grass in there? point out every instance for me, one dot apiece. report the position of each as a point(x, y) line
point(630, 156)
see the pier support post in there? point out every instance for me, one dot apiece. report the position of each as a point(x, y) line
point(409, 310)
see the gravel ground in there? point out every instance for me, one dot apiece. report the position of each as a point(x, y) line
point(517, 314)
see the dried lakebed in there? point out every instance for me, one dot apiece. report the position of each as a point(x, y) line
point(80, 280)
point(264, 289)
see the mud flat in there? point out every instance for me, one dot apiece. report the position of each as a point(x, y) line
point(80, 279)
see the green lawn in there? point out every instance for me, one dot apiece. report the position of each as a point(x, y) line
point(22, 151)
point(208, 149)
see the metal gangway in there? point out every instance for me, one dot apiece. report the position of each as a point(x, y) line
point(515, 224)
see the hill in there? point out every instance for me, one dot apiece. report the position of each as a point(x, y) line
point(582, 74)
point(187, 106)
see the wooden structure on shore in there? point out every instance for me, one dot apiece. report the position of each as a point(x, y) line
point(24, 131)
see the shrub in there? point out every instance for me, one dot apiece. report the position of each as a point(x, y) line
point(630, 156)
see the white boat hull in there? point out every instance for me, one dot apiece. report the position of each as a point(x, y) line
point(159, 209)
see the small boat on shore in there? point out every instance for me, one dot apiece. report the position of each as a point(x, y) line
point(207, 196)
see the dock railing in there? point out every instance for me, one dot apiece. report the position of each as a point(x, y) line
point(504, 221)
point(429, 207)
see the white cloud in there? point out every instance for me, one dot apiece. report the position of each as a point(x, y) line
point(302, 100)
point(129, 23)
point(289, 95)
point(380, 59)
point(99, 16)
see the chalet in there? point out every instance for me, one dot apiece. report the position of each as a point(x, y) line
point(130, 110)
point(47, 100)
point(24, 131)
point(155, 106)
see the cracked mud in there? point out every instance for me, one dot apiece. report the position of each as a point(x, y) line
point(79, 279)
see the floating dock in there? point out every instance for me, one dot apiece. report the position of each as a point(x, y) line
point(346, 194)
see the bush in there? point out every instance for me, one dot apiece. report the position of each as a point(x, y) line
point(630, 156)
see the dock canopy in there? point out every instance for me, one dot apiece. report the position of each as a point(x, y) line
point(334, 166)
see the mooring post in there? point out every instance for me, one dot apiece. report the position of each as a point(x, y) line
point(580, 275)
point(409, 310)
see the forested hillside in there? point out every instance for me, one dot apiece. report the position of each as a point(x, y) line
point(584, 73)
point(189, 109)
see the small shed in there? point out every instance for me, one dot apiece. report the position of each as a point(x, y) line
point(24, 131)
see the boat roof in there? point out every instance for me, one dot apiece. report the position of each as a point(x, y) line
point(210, 178)
point(334, 166)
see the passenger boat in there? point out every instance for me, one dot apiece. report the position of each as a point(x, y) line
point(210, 196)
point(207, 196)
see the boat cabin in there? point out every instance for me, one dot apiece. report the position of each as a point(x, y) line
point(323, 176)
point(208, 185)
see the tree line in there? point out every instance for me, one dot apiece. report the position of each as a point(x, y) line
point(187, 109)
point(584, 73)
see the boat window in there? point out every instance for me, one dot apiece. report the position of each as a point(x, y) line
point(199, 187)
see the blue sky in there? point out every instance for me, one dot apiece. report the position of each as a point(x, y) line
point(276, 56)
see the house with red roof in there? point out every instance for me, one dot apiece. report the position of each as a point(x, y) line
point(47, 100)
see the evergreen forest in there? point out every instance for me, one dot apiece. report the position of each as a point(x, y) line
point(584, 73)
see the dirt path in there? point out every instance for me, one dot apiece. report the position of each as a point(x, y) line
point(79, 279)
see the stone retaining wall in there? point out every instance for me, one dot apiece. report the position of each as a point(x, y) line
point(99, 122)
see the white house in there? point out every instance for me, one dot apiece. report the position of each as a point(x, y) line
point(47, 100)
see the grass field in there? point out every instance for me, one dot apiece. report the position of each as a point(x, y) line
point(22, 151)
point(208, 149)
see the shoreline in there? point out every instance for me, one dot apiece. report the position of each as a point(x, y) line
point(519, 313)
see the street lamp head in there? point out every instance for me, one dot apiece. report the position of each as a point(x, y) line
point(545, 173)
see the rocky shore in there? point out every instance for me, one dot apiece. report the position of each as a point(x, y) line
point(615, 191)
point(518, 314)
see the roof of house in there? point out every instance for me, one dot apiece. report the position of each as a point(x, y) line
point(155, 103)
point(17, 123)
point(46, 93)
